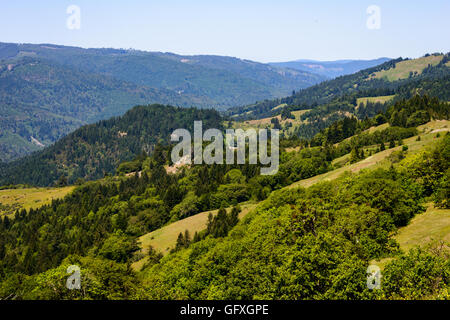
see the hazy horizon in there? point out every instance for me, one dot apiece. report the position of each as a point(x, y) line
point(264, 31)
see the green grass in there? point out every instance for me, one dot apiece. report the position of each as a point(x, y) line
point(381, 99)
point(370, 162)
point(377, 128)
point(266, 122)
point(280, 106)
point(403, 68)
point(13, 199)
point(380, 159)
point(432, 225)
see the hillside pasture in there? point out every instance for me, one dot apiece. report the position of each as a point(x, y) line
point(27, 198)
point(403, 69)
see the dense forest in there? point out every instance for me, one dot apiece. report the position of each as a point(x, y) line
point(97, 149)
point(44, 101)
point(313, 243)
point(47, 91)
point(210, 80)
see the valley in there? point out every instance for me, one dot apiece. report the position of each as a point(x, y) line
point(362, 179)
point(48, 91)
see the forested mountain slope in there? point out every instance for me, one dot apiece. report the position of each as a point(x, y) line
point(94, 150)
point(41, 101)
point(47, 91)
point(404, 78)
point(221, 81)
point(313, 243)
point(331, 69)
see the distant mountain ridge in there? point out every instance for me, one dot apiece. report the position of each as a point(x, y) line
point(330, 69)
point(47, 90)
point(220, 81)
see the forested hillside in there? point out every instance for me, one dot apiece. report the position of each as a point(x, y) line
point(220, 81)
point(430, 74)
point(299, 243)
point(361, 95)
point(97, 149)
point(331, 69)
point(316, 244)
point(47, 91)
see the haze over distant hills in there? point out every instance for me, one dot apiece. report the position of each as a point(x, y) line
point(47, 91)
point(212, 81)
point(330, 69)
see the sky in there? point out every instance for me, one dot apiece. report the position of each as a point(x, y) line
point(260, 30)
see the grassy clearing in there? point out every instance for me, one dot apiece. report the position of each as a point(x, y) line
point(13, 199)
point(432, 225)
point(377, 128)
point(402, 69)
point(381, 99)
point(164, 239)
point(434, 125)
point(266, 122)
point(280, 106)
point(371, 161)
point(371, 130)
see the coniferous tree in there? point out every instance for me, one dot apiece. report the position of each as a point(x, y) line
point(391, 144)
point(187, 238)
point(180, 242)
point(234, 216)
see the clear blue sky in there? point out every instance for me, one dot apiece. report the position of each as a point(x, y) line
point(261, 30)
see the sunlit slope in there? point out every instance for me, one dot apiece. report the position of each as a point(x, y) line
point(432, 225)
point(27, 198)
point(165, 238)
point(404, 69)
point(380, 99)
point(427, 133)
